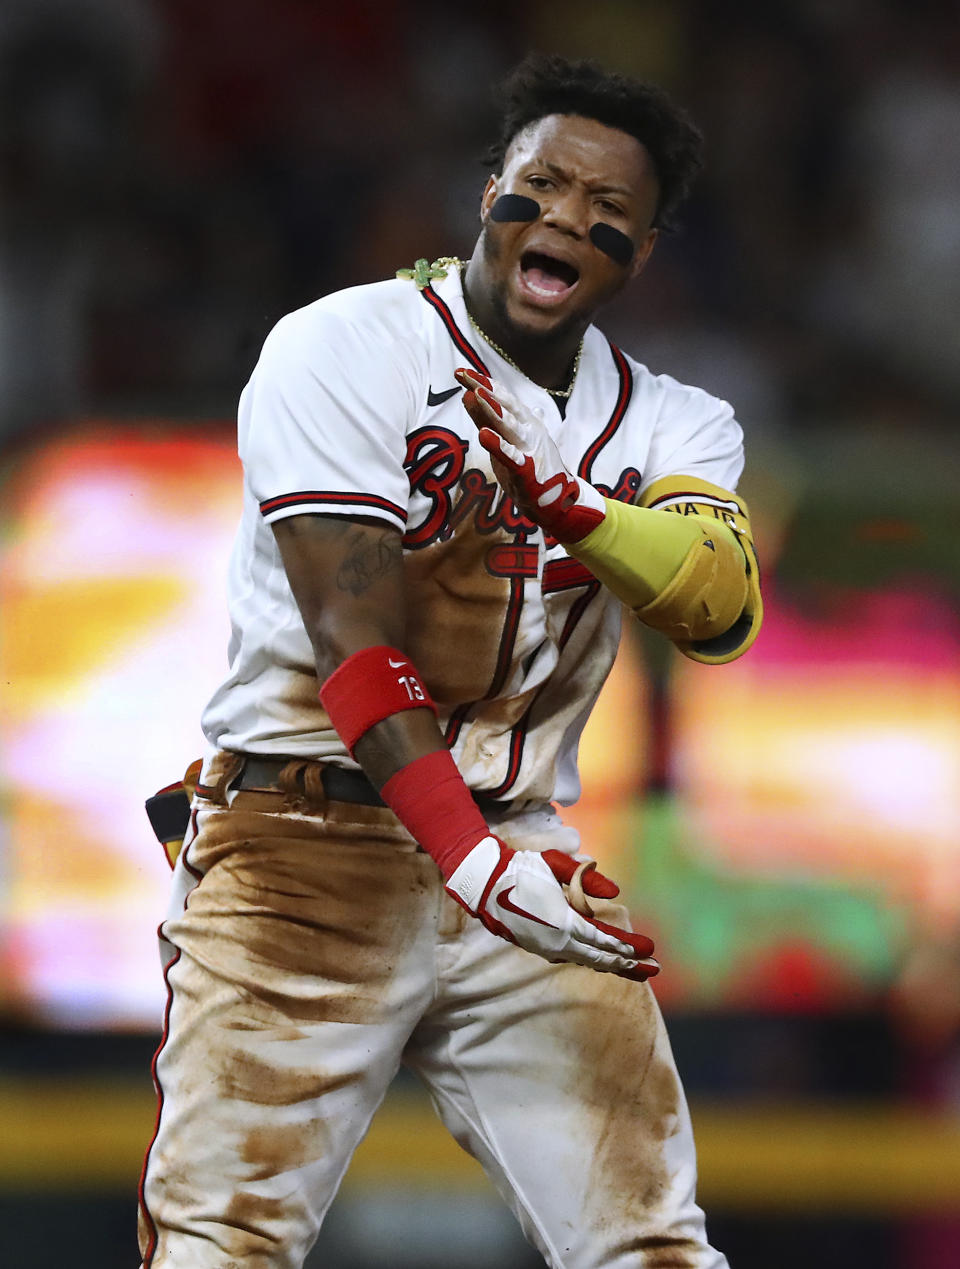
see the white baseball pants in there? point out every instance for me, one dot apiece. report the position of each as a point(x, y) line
point(307, 956)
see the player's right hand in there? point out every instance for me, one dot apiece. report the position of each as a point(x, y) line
point(518, 895)
point(527, 461)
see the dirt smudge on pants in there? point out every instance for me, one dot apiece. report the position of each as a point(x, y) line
point(633, 1102)
point(306, 921)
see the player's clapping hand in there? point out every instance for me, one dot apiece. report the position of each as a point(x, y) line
point(527, 461)
point(519, 896)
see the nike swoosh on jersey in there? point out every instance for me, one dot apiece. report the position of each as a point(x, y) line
point(395, 664)
point(504, 901)
point(438, 398)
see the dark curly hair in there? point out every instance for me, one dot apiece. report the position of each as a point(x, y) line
point(547, 84)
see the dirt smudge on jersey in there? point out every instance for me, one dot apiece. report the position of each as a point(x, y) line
point(484, 755)
point(295, 706)
point(456, 616)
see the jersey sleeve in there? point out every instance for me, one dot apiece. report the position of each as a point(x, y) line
point(696, 434)
point(323, 420)
point(694, 464)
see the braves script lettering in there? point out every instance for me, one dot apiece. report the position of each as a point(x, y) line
point(435, 463)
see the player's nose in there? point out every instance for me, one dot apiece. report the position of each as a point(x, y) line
point(568, 211)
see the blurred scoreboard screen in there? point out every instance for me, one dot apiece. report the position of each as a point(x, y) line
point(807, 827)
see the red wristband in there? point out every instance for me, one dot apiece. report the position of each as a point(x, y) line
point(429, 798)
point(368, 687)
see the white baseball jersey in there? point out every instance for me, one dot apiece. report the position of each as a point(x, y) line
point(353, 410)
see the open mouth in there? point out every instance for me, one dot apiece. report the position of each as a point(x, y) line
point(546, 276)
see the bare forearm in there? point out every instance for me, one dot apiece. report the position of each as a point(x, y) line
point(396, 742)
point(348, 579)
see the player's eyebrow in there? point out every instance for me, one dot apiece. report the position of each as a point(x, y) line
point(613, 189)
point(598, 188)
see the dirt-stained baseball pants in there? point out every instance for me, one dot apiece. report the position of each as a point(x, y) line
point(307, 956)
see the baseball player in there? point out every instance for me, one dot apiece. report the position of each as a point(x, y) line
point(453, 485)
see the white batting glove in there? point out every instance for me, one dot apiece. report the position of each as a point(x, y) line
point(537, 477)
point(518, 895)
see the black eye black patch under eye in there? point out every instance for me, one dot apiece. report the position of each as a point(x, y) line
point(514, 207)
point(611, 242)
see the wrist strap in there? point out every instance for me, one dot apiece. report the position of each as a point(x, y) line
point(370, 686)
point(429, 798)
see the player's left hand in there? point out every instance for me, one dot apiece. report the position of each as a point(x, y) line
point(519, 896)
point(523, 449)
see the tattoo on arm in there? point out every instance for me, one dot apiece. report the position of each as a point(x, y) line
point(367, 560)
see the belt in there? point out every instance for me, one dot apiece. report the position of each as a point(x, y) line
point(339, 784)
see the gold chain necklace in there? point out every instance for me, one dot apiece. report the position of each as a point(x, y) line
point(562, 393)
point(423, 273)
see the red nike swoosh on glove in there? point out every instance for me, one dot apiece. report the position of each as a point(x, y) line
point(503, 901)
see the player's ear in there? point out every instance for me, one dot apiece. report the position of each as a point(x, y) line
point(489, 198)
point(642, 254)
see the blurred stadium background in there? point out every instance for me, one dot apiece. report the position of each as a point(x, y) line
point(173, 177)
